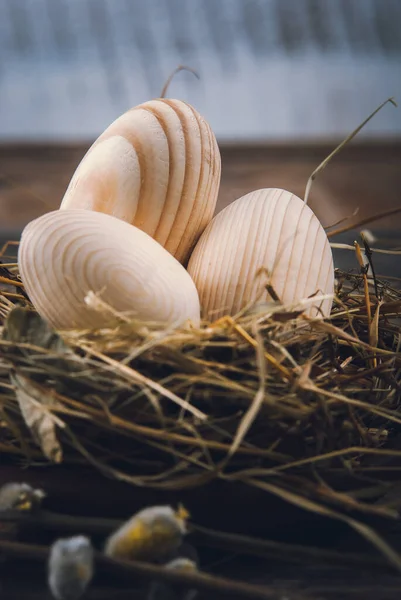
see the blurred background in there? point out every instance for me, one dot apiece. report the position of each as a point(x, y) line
point(281, 83)
point(270, 69)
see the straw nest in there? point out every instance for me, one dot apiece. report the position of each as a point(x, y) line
point(302, 408)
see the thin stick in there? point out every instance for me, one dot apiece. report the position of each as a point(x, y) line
point(12, 295)
point(365, 281)
point(6, 245)
point(355, 212)
point(11, 282)
point(173, 74)
point(145, 431)
point(239, 543)
point(368, 254)
point(241, 331)
point(375, 250)
point(255, 406)
point(243, 544)
point(133, 570)
point(376, 217)
point(137, 377)
point(340, 147)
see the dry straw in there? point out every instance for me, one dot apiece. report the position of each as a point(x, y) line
point(272, 399)
point(305, 409)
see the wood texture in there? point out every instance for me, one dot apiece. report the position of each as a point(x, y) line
point(271, 230)
point(67, 253)
point(368, 176)
point(157, 167)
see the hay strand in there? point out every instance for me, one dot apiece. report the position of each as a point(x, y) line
point(326, 161)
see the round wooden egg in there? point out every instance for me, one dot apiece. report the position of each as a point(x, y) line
point(157, 167)
point(65, 254)
point(269, 235)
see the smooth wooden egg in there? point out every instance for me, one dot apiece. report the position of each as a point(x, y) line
point(157, 167)
point(270, 229)
point(65, 254)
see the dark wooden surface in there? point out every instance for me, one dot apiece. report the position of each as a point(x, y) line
point(35, 178)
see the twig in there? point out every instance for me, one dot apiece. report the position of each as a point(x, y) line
point(340, 246)
point(238, 543)
point(368, 254)
point(361, 528)
point(287, 552)
point(11, 282)
point(364, 268)
point(341, 146)
point(376, 217)
point(133, 570)
point(343, 219)
point(138, 378)
point(241, 331)
point(6, 245)
point(173, 74)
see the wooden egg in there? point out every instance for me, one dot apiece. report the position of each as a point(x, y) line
point(65, 254)
point(157, 167)
point(267, 229)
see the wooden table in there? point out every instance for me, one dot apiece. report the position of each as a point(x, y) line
point(367, 176)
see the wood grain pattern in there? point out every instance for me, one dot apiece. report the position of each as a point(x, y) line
point(271, 230)
point(65, 254)
point(157, 167)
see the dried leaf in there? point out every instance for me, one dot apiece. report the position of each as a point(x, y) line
point(27, 327)
point(36, 411)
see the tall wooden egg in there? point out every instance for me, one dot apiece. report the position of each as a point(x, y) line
point(157, 167)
